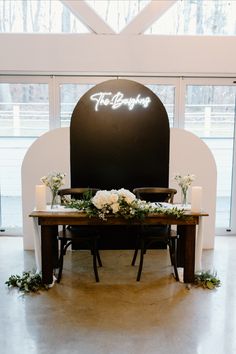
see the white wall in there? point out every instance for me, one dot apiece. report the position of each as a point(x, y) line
point(50, 152)
point(190, 155)
point(118, 54)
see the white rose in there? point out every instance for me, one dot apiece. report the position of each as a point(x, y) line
point(113, 198)
point(115, 208)
point(100, 199)
point(127, 195)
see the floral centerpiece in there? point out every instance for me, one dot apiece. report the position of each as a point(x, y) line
point(54, 181)
point(184, 182)
point(119, 203)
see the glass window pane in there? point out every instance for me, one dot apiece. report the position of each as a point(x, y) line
point(209, 113)
point(69, 96)
point(24, 109)
point(222, 150)
point(208, 17)
point(43, 16)
point(12, 152)
point(24, 115)
point(166, 93)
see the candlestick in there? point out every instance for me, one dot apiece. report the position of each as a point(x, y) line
point(40, 197)
point(196, 199)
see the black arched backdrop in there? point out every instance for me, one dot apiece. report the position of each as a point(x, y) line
point(119, 137)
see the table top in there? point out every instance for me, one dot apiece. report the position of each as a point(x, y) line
point(65, 216)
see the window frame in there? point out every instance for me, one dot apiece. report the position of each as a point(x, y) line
point(216, 81)
point(180, 83)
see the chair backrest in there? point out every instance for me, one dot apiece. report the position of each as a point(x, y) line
point(76, 193)
point(155, 194)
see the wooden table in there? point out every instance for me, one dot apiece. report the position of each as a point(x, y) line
point(49, 222)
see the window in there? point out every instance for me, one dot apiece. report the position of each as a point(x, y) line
point(38, 16)
point(30, 106)
point(24, 115)
point(166, 93)
point(210, 114)
point(208, 17)
point(165, 89)
point(69, 96)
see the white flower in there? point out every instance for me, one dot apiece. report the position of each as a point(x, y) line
point(105, 198)
point(109, 201)
point(120, 202)
point(115, 207)
point(101, 199)
point(54, 180)
point(128, 196)
point(113, 198)
point(184, 181)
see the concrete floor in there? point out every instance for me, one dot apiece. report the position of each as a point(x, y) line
point(119, 315)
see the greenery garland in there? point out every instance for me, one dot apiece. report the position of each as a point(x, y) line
point(207, 280)
point(28, 282)
point(31, 282)
point(137, 209)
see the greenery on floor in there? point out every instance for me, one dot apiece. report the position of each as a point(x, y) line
point(27, 283)
point(207, 280)
point(31, 282)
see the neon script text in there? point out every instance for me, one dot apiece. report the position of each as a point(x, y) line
point(117, 100)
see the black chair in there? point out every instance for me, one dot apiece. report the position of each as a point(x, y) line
point(86, 235)
point(149, 235)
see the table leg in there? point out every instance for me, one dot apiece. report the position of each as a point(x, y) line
point(199, 245)
point(49, 249)
point(186, 251)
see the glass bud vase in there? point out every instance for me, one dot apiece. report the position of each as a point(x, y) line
point(184, 197)
point(55, 198)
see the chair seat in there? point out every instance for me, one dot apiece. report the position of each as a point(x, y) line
point(164, 236)
point(77, 234)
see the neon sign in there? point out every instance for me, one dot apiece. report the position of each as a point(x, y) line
point(118, 100)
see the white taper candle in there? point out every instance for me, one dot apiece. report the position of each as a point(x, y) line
point(40, 197)
point(196, 199)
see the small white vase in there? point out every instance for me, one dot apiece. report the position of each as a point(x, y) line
point(55, 199)
point(184, 197)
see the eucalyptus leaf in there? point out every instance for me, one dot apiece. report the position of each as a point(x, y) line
point(210, 285)
point(28, 282)
point(128, 209)
point(207, 280)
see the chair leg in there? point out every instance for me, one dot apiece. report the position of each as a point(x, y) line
point(141, 260)
point(94, 253)
point(60, 269)
point(136, 251)
point(171, 251)
point(173, 257)
point(64, 244)
point(60, 262)
point(98, 258)
point(134, 256)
